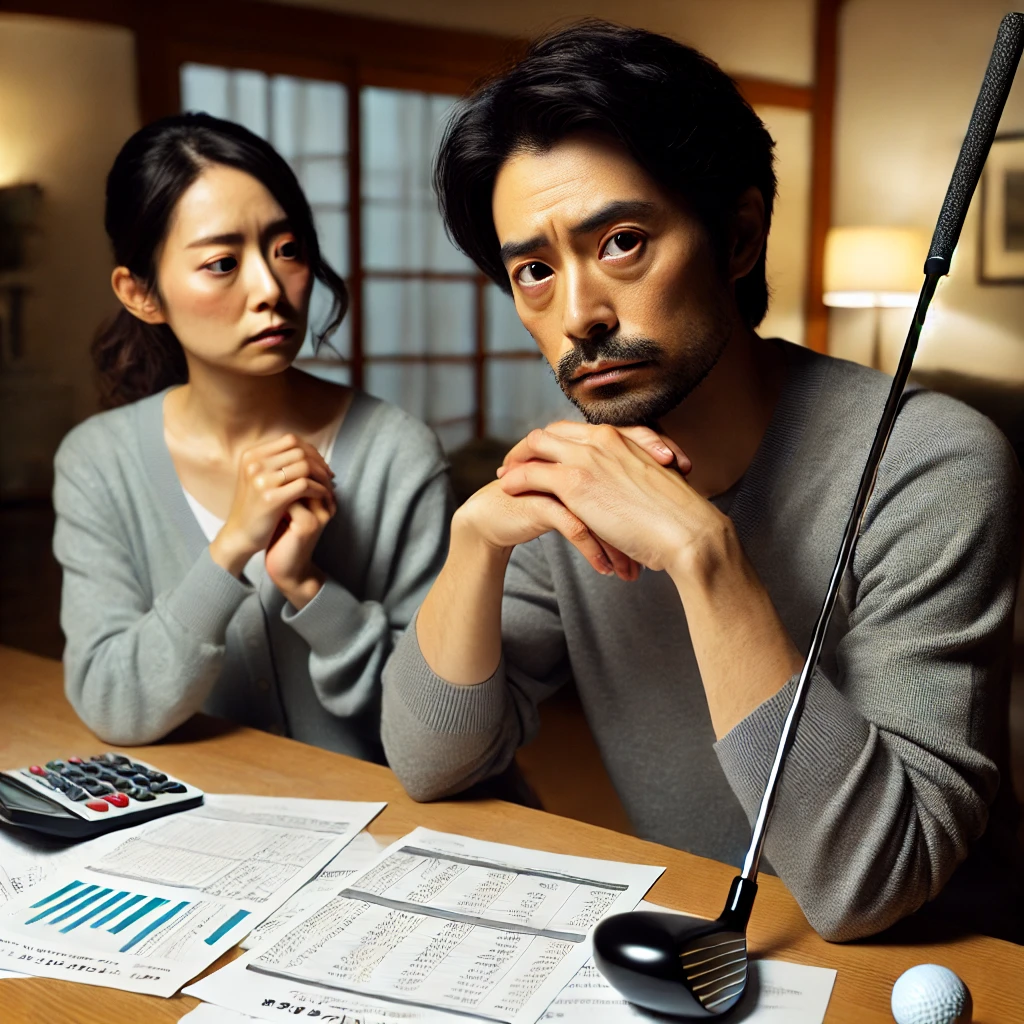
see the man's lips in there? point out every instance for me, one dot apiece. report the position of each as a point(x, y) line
point(606, 372)
point(279, 332)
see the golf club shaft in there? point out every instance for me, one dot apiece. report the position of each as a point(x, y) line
point(980, 132)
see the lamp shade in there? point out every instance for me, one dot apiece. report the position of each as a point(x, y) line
point(874, 266)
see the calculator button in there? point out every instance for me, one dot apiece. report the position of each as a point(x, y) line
point(75, 760)
point(117, 799)
point(140, 780)
point(142, 795)
point(170, 786)
point(38, 770)
point(90, 768)
point(97, 805)
point(55, 766)
point(74, 792)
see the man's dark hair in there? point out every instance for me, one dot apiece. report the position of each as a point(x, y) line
point(680, 116)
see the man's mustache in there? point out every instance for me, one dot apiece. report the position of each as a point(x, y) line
point(605, 346)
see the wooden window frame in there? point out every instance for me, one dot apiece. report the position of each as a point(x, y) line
point(359, 52)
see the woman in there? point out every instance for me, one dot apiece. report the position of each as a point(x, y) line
point(236, 535)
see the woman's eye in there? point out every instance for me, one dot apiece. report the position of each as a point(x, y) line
point(222, 266)
point(288, 250)
point(533, 273)
point(621, 244)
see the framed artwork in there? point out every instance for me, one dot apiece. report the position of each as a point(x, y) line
point(1001, 238)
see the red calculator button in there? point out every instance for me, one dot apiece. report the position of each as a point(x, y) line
point(117, 799)
point(37, 770)
point(96, 805)
point(75, 760)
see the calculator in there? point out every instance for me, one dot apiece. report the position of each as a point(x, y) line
point(83, 797)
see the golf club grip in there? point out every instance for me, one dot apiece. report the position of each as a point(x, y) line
point(980, 132)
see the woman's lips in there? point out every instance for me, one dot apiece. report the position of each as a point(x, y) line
point(275, 336)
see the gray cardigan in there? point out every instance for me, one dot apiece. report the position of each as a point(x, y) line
point(157, 631)
point(900, 760)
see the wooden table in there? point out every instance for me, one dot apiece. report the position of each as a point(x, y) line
point(36, 723)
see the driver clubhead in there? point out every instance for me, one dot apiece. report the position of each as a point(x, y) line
point(673, 964)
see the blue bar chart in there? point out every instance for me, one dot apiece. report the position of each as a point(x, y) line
point(127, 915)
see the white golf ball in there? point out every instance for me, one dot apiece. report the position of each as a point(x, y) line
point(930, 994)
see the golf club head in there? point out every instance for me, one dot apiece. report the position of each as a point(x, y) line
point(673, 964)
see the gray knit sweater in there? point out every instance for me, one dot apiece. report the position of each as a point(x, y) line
point(896, 768)
point(156, 630)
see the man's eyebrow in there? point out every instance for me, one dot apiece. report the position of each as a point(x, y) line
point(513, 250)
point(237, 238)
point(619, 209)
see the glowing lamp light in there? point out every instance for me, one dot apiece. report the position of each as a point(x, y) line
point(874, 268)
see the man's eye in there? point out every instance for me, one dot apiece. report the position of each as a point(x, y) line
point(533, 273)
point(621, 244)
point(288, 250)
point(222, 266)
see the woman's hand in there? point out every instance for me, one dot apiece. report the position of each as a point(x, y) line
point(289, 559)
point(272, 478)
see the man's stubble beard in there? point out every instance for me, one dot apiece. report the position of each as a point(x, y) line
point(625, 405)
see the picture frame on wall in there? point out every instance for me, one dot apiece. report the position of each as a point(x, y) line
point(1001, 236)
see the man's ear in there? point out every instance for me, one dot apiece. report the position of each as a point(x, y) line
point(748, 235)
point(139, 300)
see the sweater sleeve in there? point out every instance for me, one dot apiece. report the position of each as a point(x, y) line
point(136, 666)
point(350, 639)
point(893, 767)
point(441, 738)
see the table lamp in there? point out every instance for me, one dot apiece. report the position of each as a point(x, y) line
point(873, 268)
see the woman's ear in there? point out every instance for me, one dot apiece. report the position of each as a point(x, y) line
point(748, 235)
point(139, 300)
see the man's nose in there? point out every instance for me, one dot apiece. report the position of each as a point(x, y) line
point(587, 313)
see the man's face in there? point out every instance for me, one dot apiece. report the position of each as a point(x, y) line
point(614, 279)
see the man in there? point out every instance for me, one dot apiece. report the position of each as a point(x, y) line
point(618, 185)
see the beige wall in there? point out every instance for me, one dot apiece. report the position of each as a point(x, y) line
point(909, 73)
point(67, 103)
point(769, 38)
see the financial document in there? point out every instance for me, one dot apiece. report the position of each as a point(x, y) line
point(778, 993)
point(444, 925)
point(358, 855)
point(149, 910)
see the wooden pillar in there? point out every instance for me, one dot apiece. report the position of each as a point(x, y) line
point(826, 36)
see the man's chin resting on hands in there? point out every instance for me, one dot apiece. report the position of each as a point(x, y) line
point(670, 554)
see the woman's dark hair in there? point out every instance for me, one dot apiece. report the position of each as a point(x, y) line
point(679, 115)
point(154, 168)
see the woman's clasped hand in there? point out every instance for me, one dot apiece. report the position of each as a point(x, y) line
point(283, 500)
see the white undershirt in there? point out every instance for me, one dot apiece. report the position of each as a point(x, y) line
point(212, 524)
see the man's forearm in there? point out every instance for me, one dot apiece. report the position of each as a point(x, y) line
point(459, 624)
point(743, 650)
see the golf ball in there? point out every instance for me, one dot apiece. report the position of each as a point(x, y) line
point(930, 994)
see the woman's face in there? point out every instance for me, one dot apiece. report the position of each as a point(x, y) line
point(233, 281)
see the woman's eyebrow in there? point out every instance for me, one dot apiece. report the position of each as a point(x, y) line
point(237, 238)
point(230, 238)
